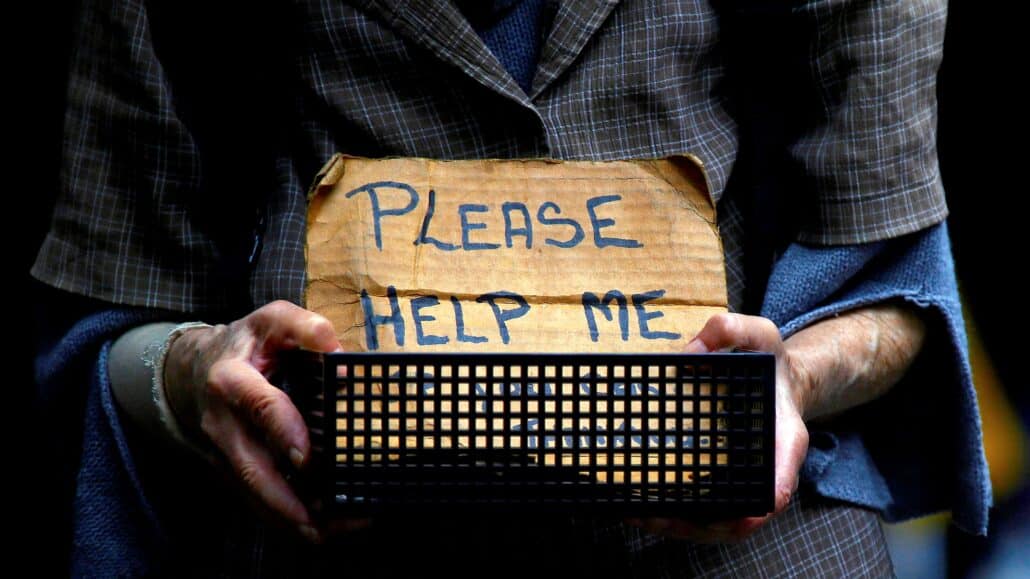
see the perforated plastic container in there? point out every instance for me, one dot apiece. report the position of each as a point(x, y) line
point(620, 434)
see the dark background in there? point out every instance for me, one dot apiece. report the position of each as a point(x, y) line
point(982, 126)
point(37, 44)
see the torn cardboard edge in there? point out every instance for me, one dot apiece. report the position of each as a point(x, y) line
point(333, 169)
point(403, 237)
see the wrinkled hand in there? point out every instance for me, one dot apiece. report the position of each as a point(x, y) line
point(752, 333)
point(216, 380)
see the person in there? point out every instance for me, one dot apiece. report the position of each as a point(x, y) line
point(193, 131)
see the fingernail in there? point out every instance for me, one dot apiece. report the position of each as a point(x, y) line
point(296, 457)
point(310, 533)
point(696, 346)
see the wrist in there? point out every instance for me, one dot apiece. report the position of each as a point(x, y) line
point(136, 372)
point(160, 362)
point(179, 374)
point(803, 385)
point(131, 377)
point(851, 358)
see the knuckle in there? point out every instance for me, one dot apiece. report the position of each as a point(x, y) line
point(263, 408)
point(279, 308)
point(210, 426)
point(803, 440)
point(768, 328)
point(267, 409)
point(320, 324)
point(216, 388)
point(783, 495)
point(219, 379)
point(249, 473)
point(725, 324)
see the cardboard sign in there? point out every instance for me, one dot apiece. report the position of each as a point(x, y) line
point(518, 256)
point(514, 256)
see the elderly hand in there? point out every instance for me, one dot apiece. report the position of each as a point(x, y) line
point(824, 369)
point(216, 380)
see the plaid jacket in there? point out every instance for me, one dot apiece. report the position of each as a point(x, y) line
point(193, 132)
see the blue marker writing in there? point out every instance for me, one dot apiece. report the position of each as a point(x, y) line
point(377, 211)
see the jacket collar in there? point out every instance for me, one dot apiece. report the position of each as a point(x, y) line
point(439, 26)
point(574, 25)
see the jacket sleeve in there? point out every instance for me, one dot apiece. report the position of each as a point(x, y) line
point(838, 118)
point(868, 151)
point(163, 109)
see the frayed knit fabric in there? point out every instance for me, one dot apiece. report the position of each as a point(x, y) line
point(115, 530)
point(919, 448)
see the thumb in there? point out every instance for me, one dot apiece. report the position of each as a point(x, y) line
point(727, 331)
point(283, 326)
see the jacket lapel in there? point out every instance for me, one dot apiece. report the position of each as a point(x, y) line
point(574, 24)
point(439, 26)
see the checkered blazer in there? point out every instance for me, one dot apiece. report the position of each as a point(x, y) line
point(193, 132)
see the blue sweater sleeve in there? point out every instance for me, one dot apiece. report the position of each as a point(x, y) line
point(141, 507)
point(115, 530)
point(919, 448)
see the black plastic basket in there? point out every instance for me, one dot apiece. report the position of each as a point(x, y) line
point(625, 434)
